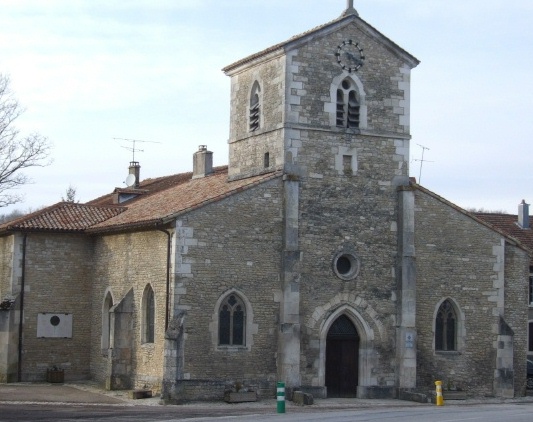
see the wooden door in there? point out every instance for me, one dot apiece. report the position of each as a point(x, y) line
point(342, 359)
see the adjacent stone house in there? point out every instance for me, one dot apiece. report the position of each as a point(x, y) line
point(312, 258)
point(518, 227)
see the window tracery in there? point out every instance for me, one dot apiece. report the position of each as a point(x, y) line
point(232, 322)
point(446, 327)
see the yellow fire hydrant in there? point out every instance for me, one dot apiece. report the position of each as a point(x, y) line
point(440, 399)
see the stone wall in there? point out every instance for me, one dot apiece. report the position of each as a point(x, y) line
point(358, 213)
point(384, 77)
point(298, 94)
point(231, 246)
point(124, 263)
point(9, 313)
point(6, 265)
point(516, 310)
point(247, 149)
point(460, 259)
point(9, 340)
point(57, 281)
point(348, 208)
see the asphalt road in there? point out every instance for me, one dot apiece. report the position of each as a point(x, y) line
point(24, 412)
point(514, 412)
point(86, 401)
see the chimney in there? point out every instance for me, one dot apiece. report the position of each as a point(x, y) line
point(523, 215)
point(202, 162)
point(135, 170)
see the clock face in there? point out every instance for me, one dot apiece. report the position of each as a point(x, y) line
point(350, 56)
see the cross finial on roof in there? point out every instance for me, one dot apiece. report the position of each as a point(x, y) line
point(350, 10)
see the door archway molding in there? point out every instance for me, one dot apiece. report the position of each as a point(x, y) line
point(367, 358)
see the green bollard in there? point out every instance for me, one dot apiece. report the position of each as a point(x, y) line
point(281, 397)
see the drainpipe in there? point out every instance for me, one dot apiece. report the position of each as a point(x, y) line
point(167, 300)
point(21, 312)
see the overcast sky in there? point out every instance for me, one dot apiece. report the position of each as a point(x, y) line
point(90, 71)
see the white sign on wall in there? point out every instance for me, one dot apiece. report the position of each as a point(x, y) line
point(409, 340)
point(54, 325)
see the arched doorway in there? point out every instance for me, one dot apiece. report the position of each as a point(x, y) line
point(342, 358)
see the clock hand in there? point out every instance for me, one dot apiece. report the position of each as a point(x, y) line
point(354, 59)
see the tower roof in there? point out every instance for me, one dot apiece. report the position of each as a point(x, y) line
point(348, 17)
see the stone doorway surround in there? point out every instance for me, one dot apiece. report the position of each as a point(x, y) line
point(368, 359)
point(342, 354)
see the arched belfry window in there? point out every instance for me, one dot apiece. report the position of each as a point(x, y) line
point(232, 322)
point(148, 315)
point(348, 105)
point(255, 107)
point(446, 325)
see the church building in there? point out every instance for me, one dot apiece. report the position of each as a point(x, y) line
point(312, 258)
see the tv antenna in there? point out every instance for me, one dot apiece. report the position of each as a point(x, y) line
point(133, 142)
point(422, 161)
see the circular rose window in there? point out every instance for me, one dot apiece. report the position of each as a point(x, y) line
point(346, 265)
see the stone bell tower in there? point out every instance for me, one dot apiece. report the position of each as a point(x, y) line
point(331, 109)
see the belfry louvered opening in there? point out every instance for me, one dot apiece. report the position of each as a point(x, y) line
point(255, 107)
point(348, 105)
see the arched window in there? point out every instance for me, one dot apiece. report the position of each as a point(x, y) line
point(255, 107)
point(148, 315)
point(348, 105)
point(446, 325)
point(106, 321)
point(232, 322)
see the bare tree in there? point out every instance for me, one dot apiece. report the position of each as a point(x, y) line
point(17, 152)
point(70, 195)
point(4, 218)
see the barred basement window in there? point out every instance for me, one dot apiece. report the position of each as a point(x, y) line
point(348, 106)
point(446, 327)
point(255, 107)
point(232, 322)
point(148, 314)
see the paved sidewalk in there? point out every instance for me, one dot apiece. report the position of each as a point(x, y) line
point(90, 393)
point(55, 393)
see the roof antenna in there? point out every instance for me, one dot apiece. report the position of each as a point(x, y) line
point(133, 178)
point(422, 162)
point(132, 148)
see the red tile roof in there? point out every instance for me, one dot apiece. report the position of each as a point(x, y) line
point(177, 197)
point(64, 216)
point(508, 223)
point(159, 201)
